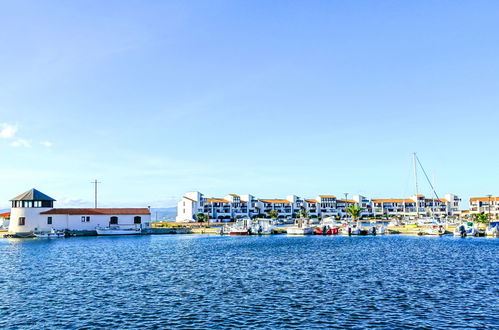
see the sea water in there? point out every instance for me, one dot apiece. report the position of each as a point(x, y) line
point(278, 281)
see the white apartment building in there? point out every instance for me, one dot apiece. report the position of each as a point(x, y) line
point(447, 206)
point(232, 206)
point(487, 205)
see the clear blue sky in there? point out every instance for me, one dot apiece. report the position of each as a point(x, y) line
point(155, 98)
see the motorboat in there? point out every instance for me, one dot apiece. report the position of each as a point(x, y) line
point(51, 234)
point(261, 227)
point(434, 229)
point(375, 229)
point(118, 230)
point(492, 230)
point(240, 228)
point(328, 226)
point(353, 229)
point(224, 230)
point(465, 229)
point(301, 227)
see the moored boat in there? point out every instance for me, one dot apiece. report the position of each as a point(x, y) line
point(261, 227)
point(465, 230)
point(434, 229)
point(117, 230)
point(492, 230)
point(240, 228)
point(301, 227)
point(51, 234)
point(328, 226)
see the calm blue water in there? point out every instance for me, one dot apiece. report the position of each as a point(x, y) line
point(261, 282)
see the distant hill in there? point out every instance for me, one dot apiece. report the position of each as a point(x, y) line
point(163, 214)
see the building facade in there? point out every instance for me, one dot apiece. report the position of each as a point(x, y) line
point(415, 205)
point(233, 206)
point(4, 220)
point(33, 211)
point(487, 205)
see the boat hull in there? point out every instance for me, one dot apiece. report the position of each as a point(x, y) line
point(115, 232)
point(300, 231)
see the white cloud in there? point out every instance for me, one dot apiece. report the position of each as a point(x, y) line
point(47, 144)
point(7, 131)
point(21, 143)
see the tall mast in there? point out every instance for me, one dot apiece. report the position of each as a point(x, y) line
point(416, 182)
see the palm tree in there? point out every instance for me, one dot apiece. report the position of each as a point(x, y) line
point(273, 214)
point(354, 211)
point(303, 213)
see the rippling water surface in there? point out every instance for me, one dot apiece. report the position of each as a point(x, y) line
point(262, 282)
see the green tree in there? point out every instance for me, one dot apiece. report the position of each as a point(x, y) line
point(273, 214)
point(481, 218)
point(354, 211)
point(201, 217)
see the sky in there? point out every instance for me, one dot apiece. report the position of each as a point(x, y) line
point(156, 98)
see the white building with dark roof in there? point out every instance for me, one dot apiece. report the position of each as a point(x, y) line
point(34, 211)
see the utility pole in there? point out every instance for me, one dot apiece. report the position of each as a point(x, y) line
point(95, 183)
point(489, 196)
point(346, 197)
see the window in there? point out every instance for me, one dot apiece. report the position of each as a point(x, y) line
point(113, 221)
point(87, 219)
point(49, 220)
point(137, 220)
point(83, 219)
point(22, 221)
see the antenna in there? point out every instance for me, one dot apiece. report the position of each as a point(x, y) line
point(95, 183)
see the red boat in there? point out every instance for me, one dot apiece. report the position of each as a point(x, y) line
point(326, 230)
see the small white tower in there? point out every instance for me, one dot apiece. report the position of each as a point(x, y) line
point(26, 208)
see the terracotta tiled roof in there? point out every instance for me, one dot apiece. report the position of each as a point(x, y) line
point(311, 201)
point(348, 201)
point(216, 200)
point(483, 199)
point(98, 211)
point(5, 215)
point(327, 196)
point(192, 200)
point(393, 200)
point(276, 201)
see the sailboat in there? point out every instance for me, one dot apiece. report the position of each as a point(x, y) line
point(432, 225)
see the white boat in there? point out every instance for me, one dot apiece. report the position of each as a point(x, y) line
point(353, 229)
point(434, 229)
point(375, 229)
point(241, 227)
point(301, 227)
point(492, 230)
point(465, 229)
point(51, 234)
point(261, 227)
point(224, 230)
point(117, 230)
